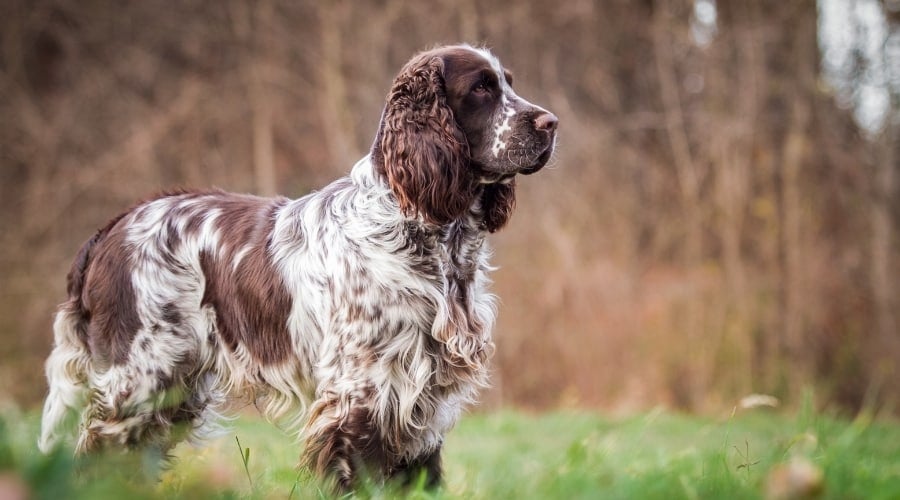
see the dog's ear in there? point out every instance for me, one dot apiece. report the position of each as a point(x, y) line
point(497, 203)
point(424, 154)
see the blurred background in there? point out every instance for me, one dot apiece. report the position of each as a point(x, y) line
point(721, 217)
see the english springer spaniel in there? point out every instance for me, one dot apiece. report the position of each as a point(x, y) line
point(361, 310)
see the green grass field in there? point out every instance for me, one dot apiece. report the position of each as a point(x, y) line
point(511, 454)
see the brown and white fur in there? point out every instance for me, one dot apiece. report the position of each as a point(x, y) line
point(361, 310)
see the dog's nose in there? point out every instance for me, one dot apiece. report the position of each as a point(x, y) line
point(546, 121)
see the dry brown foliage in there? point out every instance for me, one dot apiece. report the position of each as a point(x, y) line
point(713, 224)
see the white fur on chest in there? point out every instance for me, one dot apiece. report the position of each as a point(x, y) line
point(370, 307)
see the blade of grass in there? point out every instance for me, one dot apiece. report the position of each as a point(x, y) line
point(245, 458)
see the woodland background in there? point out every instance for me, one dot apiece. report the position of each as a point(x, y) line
point(721, 217)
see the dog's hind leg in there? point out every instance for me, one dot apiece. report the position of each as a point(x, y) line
point(158, 393)
point(140, 407)
point(139, 414)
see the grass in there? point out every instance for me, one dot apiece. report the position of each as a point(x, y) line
point(511, 454)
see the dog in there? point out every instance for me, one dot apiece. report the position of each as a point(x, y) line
point(360, 312)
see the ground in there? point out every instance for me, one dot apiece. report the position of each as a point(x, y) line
point(513, 454)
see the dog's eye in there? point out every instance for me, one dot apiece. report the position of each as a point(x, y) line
point(480, 88)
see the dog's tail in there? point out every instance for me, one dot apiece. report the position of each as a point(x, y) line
point(69, 363)
point(66, 369)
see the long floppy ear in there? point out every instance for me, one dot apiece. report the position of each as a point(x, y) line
point(497, 204)
point(424, 153)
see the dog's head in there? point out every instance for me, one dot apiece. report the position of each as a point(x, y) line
point(453, 130)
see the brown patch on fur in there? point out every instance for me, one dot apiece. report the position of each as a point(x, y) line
point(170, 314)
point(108, 297)
point(77, 275)
point(251, 301)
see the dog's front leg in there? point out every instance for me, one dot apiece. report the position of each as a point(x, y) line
point(410, 472)
point(342, 441)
